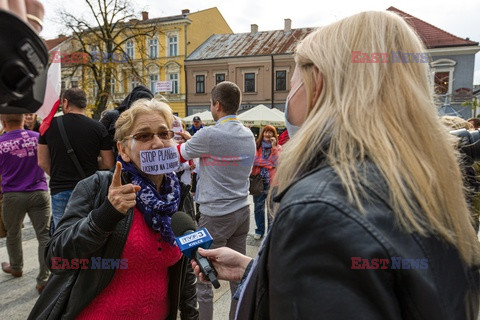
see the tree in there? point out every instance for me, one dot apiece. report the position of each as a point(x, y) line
point(108, 27)
point(474, 104)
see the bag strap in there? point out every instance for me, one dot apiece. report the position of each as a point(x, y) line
point(69, 148)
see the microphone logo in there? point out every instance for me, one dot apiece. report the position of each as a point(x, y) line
point(192, 237)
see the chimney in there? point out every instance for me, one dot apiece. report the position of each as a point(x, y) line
point(254, 29)
point(288, 25)
point(185, 12)
point(144, 15)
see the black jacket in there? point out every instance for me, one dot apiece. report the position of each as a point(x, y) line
point(304, 270)
point(92, 227)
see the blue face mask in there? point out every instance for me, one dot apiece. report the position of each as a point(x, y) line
point(292, 129)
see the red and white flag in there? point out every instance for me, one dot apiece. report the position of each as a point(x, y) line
point(51, 102)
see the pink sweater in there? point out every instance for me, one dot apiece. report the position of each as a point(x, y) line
point(140, 290)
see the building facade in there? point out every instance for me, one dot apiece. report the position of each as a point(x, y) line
point(260, 63)
point(157, 58)
point(452, 62)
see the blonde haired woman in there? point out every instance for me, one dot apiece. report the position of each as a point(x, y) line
point(372, 221)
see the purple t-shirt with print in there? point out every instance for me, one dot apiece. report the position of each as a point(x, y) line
point(18, 162)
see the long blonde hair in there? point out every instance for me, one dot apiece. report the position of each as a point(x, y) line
point(383, 111)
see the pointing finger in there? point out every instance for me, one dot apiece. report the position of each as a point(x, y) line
point(117, 175)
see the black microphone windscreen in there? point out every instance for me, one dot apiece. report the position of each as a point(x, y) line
point(181, 223)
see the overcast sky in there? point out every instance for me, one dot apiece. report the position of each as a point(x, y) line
point(460, 17)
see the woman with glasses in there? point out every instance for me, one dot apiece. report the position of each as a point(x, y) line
point(113, 255)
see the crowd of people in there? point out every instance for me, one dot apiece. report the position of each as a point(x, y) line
point(366, 216)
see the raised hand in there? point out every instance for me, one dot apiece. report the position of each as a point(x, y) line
point(185, 135)
point(122, 197)
point(273, 141)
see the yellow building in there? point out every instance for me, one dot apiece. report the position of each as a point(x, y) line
point(158, 58)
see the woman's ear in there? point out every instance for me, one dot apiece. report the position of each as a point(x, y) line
point(318, 84)
point(121, 151)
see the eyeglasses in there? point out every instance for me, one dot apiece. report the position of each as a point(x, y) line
point(148, 136)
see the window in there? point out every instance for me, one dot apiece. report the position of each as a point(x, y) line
point(74, 83)
point(219, 77)
point(249, 82)
point(281, 80)
point(153, 48)
point(153, 83)
point(94, 88)
point(441, 82)
point(129, 49)
point(133, 84)
point(174, 79)
point(63, 85)
point(443, 70)
point(172, 46)
point(200, 83)
point(112, 85)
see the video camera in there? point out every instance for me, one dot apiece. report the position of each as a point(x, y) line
point(23, 66)
point(469, 144)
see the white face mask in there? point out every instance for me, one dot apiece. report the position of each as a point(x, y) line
point(292, 129)
point(159, 161)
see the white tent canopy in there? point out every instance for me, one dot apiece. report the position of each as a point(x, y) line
point(262, 116)
point(281, 113)
point(205, 116)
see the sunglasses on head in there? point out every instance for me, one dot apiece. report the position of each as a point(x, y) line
point(148, 136)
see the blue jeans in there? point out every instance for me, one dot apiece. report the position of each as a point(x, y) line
point(259, 212)
point(59, 203)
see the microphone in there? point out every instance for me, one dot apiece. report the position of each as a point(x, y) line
point(189, 240)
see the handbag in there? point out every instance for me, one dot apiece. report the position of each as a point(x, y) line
point(256, 185)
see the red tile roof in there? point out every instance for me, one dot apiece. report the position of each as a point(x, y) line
point(52, 43)
point(432, 36)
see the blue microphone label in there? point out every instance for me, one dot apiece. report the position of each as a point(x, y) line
point(192, 237)
point(188, 243)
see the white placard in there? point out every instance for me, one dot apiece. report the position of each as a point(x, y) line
point(159, 161)
point(164, 86)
